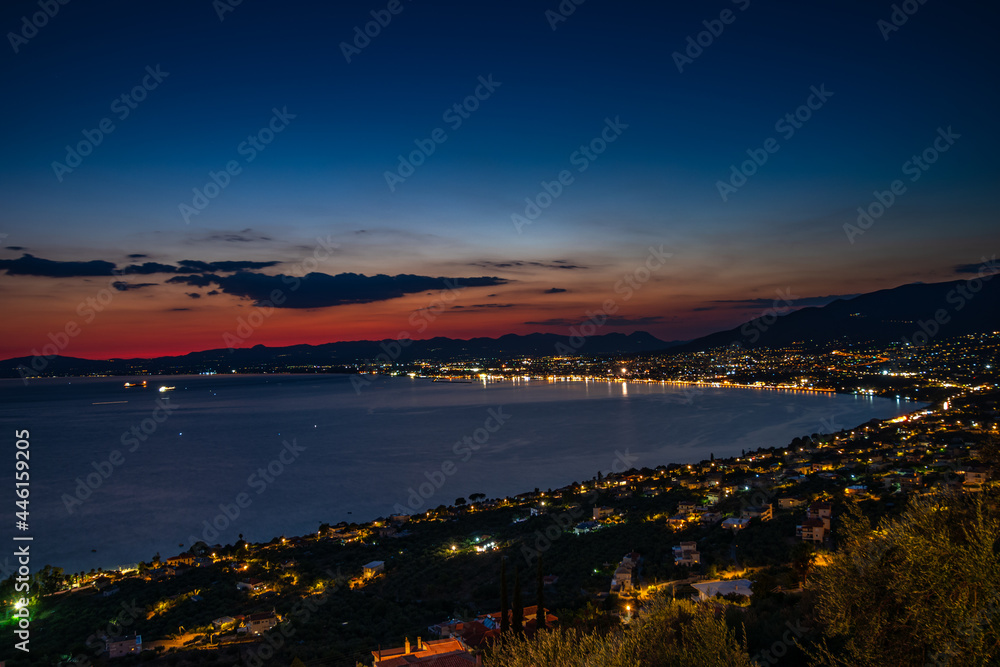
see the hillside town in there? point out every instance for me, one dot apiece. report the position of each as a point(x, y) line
point(425, 588)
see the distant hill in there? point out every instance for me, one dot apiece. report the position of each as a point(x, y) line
point(890, 315)
point(348, 352)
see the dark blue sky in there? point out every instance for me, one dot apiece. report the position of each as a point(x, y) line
point(324, 174)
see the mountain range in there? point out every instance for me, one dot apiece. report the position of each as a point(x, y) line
point(915, 313)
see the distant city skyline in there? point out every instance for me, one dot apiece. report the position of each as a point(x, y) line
point(479, 169)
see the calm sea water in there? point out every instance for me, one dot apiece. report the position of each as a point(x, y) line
point(118, 474)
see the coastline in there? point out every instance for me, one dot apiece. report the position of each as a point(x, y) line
point(367, 520)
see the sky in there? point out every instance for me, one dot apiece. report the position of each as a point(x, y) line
point(367, 170)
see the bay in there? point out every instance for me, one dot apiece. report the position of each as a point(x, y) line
point(119, 474)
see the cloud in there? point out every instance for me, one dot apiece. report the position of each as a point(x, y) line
point(194, 266)
point(555, 264)
point(194, 295)
point(137, 255)
point(779, 302)
point(123, 286)
point(247, 235)
point(488, 305)
point(554, 290)
point(29, 265)
point(611, 321)
point(986, 267)
point(320, 290)
point(16, 247)
point(148, 268)
point(196, 281)
point(197, 266)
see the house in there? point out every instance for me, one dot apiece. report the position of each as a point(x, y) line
point(732, 523)
point(623, 578)
point(707, 590)
point(788, 503)
point(373, 568)
point(119, 646)
point(820, 511)
point(435, 653)
point(253, 585)
point(762, 512)
point(452, 628)
point(709, 518)
point(182, 559)
point(812, 530)
point(602, 513)
point(687, 554)
point(262, 622)
point(975, 477)
point(677, 521)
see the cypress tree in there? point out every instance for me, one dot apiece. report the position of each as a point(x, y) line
point(517, 623)
point(540, 609)
point(504, 607)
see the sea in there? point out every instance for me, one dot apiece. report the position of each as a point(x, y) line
point(119, 473)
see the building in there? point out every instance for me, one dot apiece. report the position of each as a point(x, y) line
point(435, 653)
point(811, 530)
point(119, 646)
point(820, 511)
point(252, 585)
point(373, 568)
point(258, 623)
point(762, 512)
point(687, 554)
point(975, 478)
point(602, 513)
point(788, 503)
point(732, 523)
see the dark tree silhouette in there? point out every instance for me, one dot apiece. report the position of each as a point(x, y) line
point(517, 623)
point(540, 610)
point(504, 606)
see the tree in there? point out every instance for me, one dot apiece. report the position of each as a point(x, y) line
point(459, 501)
point(504, 607)
point(517, 622)
point(49, 579)
point(922, 588)
point(665, 633)
point(476, 497)
point(803, 559)
point(540, 608)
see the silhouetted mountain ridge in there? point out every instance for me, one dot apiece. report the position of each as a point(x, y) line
point(915, 313)
point(344, 354)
